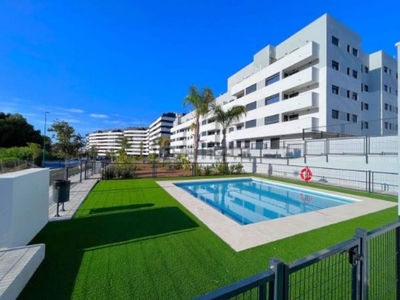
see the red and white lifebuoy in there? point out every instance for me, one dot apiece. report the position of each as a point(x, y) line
point(306, 198)
point(306, 174)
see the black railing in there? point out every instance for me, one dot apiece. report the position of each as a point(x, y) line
point(366, 266)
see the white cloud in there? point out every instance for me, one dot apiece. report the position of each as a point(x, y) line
point(72, 121)
point(99, 116)
point(76, 110)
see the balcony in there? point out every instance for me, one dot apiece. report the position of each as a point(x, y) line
point(298, 57)
point(281, 128)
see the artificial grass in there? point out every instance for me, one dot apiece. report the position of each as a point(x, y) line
point(132, 240)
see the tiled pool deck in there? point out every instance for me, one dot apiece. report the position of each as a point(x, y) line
point(240, 237)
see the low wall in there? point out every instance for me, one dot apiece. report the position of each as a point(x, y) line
point(24, 206)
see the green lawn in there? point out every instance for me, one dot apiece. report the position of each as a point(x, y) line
point(132, 240)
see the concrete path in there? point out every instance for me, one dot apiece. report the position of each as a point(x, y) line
point(78, 192)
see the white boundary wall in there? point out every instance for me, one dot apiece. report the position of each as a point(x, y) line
point(24, 206)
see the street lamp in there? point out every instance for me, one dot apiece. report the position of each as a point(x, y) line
point(44, 137)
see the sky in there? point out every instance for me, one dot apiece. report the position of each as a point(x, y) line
point(114, 64)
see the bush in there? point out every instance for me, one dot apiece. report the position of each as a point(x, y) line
point(108, 173)
point(238, 168)
point(121, 171)
point(208, 170)
point(223, 168)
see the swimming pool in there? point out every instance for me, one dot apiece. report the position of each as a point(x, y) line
point(249, 201)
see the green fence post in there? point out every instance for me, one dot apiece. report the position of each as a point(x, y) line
point(362, 264)
point(281, 282)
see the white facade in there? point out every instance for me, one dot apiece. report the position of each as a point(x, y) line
point(108, 141)
point(142, 140)
point(317, 81)
point(24, 206)
point(160, 128)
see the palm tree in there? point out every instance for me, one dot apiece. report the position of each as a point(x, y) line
point(200, 102)
point(124, 143)
point(162, 143)
point(226, 118)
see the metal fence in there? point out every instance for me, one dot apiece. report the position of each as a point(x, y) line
point(85, 169)
point(7, 166)
point(366, 266)
point(361, 180)
point(323, 146)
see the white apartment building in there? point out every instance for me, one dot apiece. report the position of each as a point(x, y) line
point(318, 81)
point(108, 141)
point(160, 128)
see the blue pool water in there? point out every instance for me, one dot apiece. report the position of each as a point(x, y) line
point(248, 201)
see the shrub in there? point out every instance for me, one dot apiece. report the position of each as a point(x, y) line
point(208, 170)
point(108, 173)
point(238, 168)
point(223, 168)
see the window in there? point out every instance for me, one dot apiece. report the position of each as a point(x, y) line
point(271, 119)
point(231, 129)
point(355, 52)
point(239, 144)
point(354, 96)
point(272, 79)
point(293, 94)
point(290, 117)
point(348, 94)
point(274, 143)
point(390, 89)
point(348, 48)
point(385, 88)
point(335, 89)
point(204, 122)
point(355, 74)
point(355, 118)
point(251, 123)
point(230, 145)
point(251, 106)
point(386, 106)
point(335, 114)
point(366, 106)
point(259, 144)
point(385, 69)
point(366, 88)
point(335, 41)
point(272, 99)
point(386, 125)
point(366, 69)
point(239, 127)
point(348, 71)
point(366, 125)
point(247, 144)
point(204, 133)
point(335, 65)
point(251, 89)
point(348, 117)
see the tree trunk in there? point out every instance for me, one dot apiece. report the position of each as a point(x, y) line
point(223, 145)
point(196, 139)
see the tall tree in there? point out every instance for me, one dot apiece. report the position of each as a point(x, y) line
point(93, 151)
point(124, 143)
point(68, 143)
point(36, 150)
point(15, 131)
point(226, 118)
point(162, 143)
point(200, 101)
